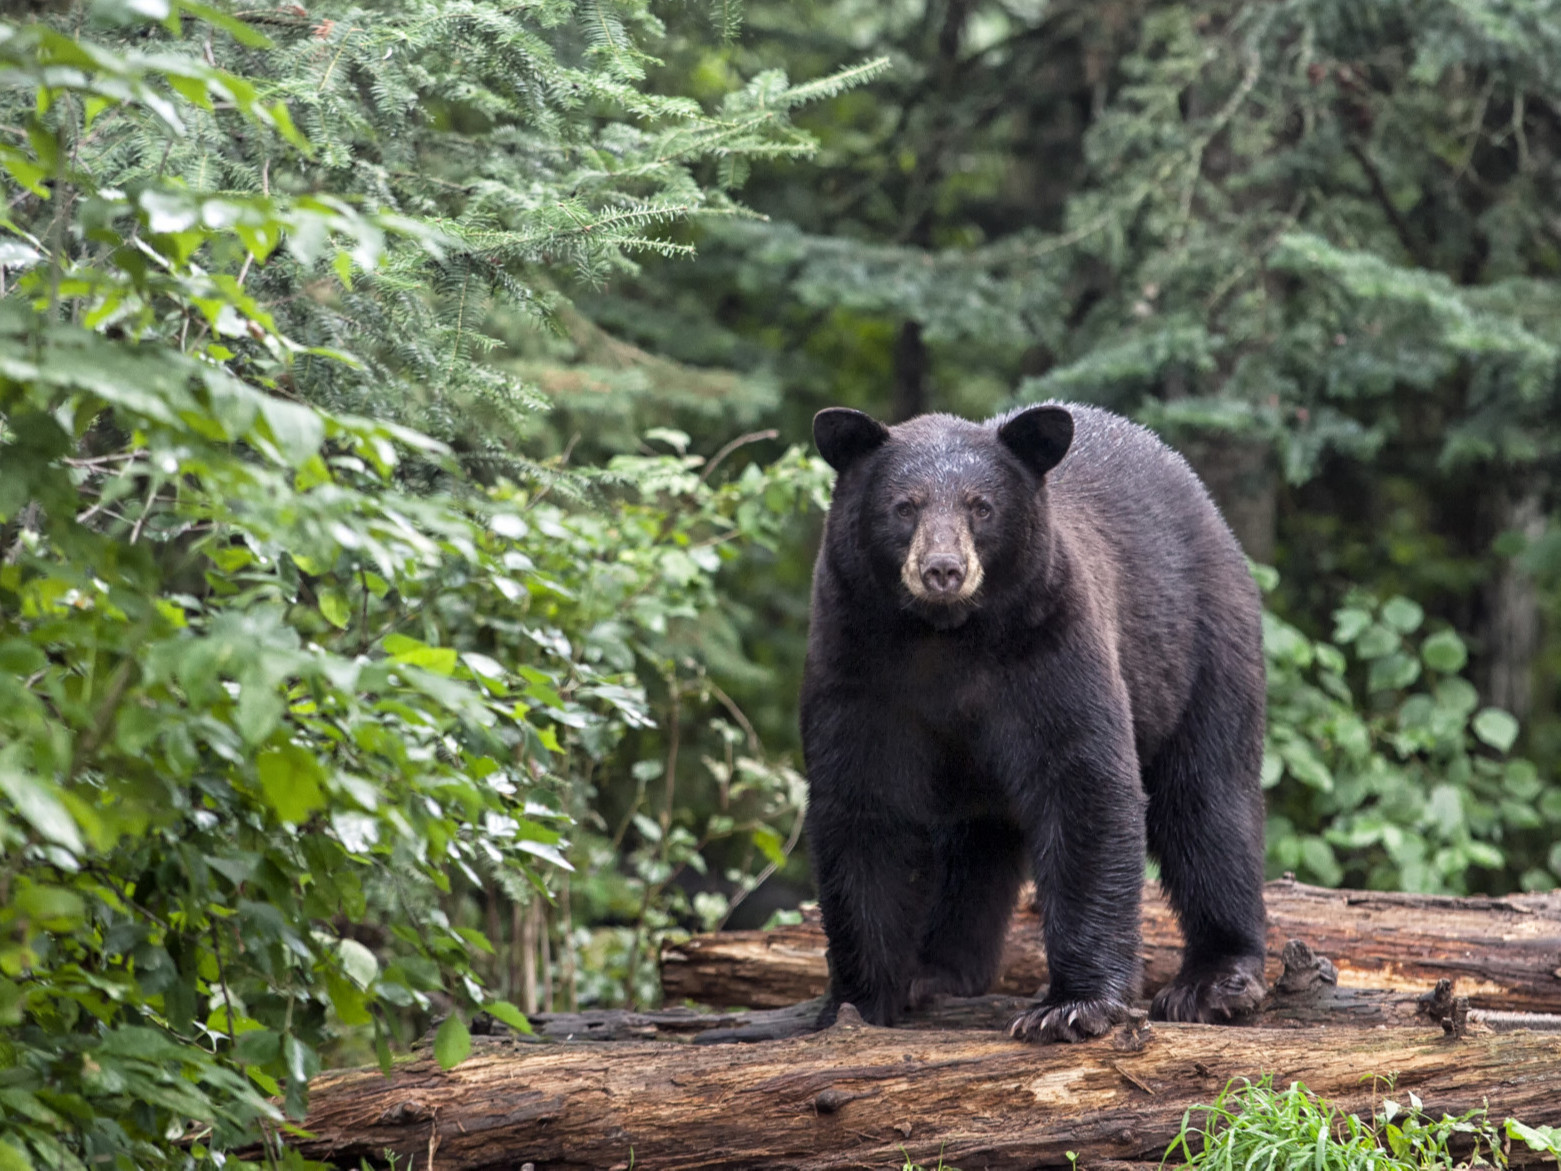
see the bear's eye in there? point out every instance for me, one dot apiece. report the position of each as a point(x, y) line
point(981, 510)
point(905, 510)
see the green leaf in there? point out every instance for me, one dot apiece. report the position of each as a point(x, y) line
point(1444, 651)
point(289, 782)
point(52, 908)
point(244, 34)
point(1393, 672)
point(1538, 1138)
point(441, 660)
point(333, 604)
point(382, 1047)
point(1349, 623)
point(1496, 728)
point(37, 802)
point(1403, 615)
point(503, 1010)
point(297, 430)
point(358, 962)
point(452, 1043)
point(1376, 641)
point(1317, 855)
point(1303, 763)
point(770, 845)
point(13, 1158)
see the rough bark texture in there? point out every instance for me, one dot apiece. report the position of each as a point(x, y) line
point(1306, 993)
point(855, 1096)
point(1504, 953)
point(1512, 618)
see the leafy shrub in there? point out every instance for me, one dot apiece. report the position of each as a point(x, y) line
point(286, 693)
point(1383, 769)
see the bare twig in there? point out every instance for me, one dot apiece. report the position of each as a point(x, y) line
point(740, 441)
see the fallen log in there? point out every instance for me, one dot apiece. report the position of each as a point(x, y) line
point(1306, 993)
point(1504, 953)
point(855, 1096)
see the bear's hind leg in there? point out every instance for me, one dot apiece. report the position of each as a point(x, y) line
point(977, 866)
point(1205, 827)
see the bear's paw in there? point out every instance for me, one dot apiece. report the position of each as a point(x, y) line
point(1225, 994)
point(1068, 1020)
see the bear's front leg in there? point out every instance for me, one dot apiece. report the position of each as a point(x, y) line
point(1084, 818)
point(871, 871)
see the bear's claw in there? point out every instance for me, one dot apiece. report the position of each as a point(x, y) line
point(1067, 1020)
point(1219, 996)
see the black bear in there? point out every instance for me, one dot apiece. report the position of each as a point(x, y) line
point(1034, 644)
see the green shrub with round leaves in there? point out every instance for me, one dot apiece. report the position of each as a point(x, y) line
point(1384, 770)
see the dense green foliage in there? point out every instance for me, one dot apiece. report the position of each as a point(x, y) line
point(404, 538)
point(287, 690)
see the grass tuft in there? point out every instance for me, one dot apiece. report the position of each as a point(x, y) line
point(1255, 1127)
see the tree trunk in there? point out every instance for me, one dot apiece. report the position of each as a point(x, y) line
point(912, 371)
point(1239, 473)
point(856, 1096)
point(1504, 953)
point(1512, 622)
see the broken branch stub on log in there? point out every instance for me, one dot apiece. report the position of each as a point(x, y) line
point(855, 1096)
point(1504, 953)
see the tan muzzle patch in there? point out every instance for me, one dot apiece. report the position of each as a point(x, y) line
point(922, 547)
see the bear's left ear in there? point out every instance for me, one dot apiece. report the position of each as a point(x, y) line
point(1039, 436)
point(845, 436)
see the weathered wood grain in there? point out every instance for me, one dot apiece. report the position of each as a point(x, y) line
point(855, 1096)
point(1504, 953)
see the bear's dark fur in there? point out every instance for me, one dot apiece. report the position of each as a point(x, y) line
point(1035, 645)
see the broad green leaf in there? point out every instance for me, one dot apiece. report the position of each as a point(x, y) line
point(1318, 857)
point(52, 908)
point(244, 34)
point(1403, 615)
point(770, 845)
point(297, 430)
point(1496, 728)
point(333, 604)
point(1349, 623)
point(1538, 1138)
point(1393, 672)
point(452, 1043)
point(289, 781)
point(503, 1010)
point(38, 803)
point(1376, 641)
point(403, 649)
point(1444, 651)
point(358, 962)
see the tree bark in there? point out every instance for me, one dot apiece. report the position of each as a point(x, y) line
point(855, 1096)
point(912, 373)
point(1512, 619)
point(1306, 994)
point(1504, 953)
point(1240, 474)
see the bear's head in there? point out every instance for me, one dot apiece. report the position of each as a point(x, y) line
point(942, 511)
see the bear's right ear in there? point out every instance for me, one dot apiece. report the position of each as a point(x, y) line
point(845, 436)
point(1039, 436)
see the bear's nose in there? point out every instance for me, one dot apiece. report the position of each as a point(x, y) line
point(943, 574)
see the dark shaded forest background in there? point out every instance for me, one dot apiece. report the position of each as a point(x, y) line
point(406, 507)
